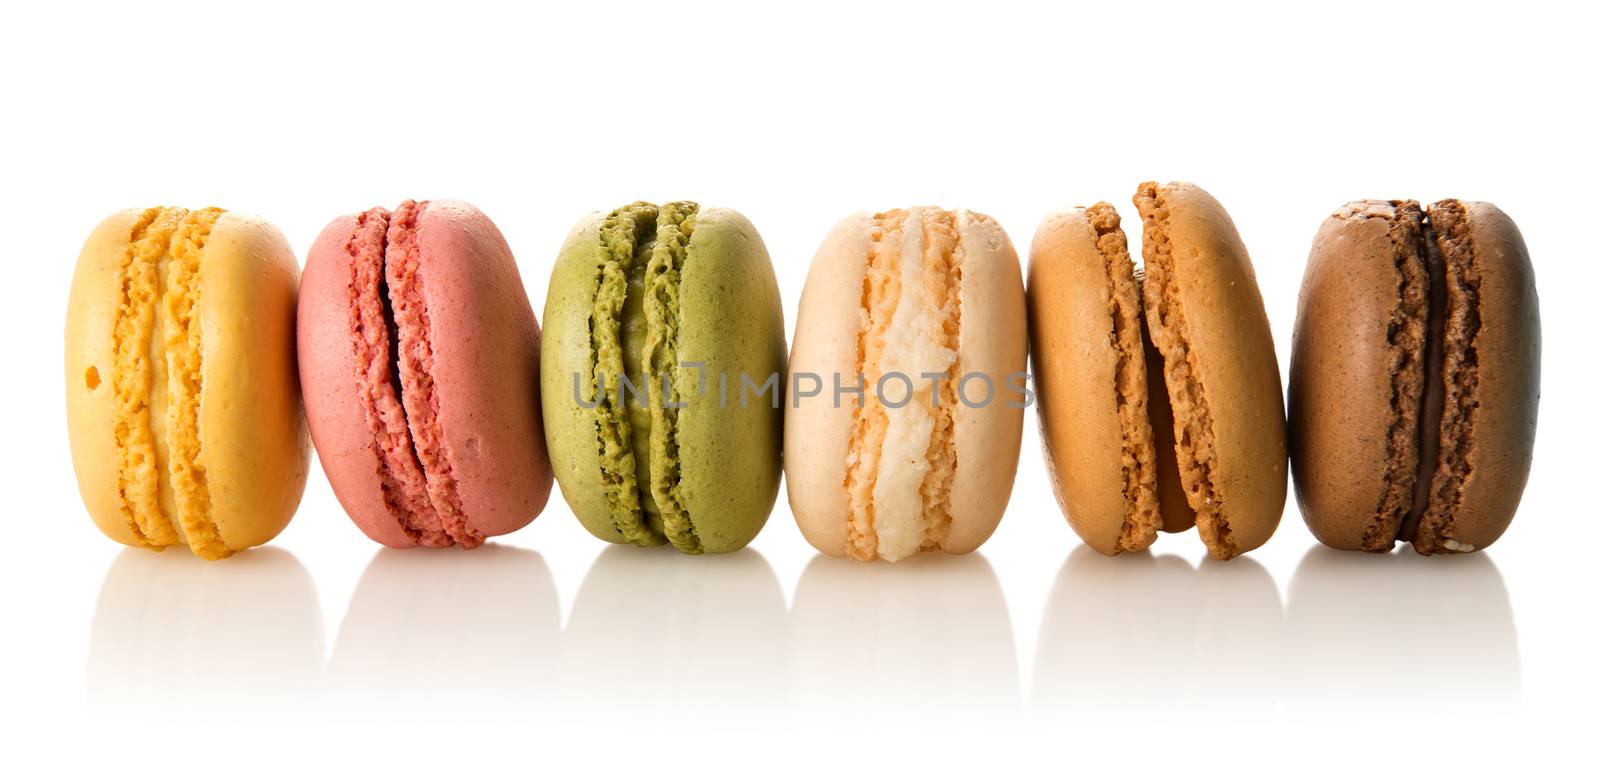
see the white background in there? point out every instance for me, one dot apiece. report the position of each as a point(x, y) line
point(550, 649)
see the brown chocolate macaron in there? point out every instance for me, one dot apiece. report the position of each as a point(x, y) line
point(1159, 400)
point(1414, 380)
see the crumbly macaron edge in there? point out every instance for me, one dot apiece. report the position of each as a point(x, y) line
point(1451, 231)
point(1142, 519)
point(880, 294)
point(1407, 357)
point(134, 426)
point(403, 260)
point(663, 274)
point(401, 478)
point(619, 237)
point(1164, 312)
point(183, 352)
point(947, 250)
point(159, 279)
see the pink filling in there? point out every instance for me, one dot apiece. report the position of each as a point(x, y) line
point(401, 259)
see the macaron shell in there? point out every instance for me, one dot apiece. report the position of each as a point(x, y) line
point(90, 357)
point(253, 443)
point(567, 370)
point(994, 341)
point(731, 320)
point(1509, 349)
point(334, 409)
point(1232, 357)
point(816, 435)
point(1341, 374)
point(1074, 364)
point(485, 367)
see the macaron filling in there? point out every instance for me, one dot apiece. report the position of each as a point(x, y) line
point(160, 477)
point(1433, 372)
point(1195, 436)
point(1452, 398)
point(901, 459)
point(634, 325)
point(1142, 519)
point(394, 355)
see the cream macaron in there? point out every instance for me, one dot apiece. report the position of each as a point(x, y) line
point(907, 385)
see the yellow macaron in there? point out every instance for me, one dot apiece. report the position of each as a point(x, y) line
point(183, 403)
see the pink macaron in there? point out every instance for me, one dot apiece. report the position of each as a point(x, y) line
point(419, 362)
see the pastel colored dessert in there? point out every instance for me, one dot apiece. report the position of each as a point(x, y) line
point(663, 323)
point(1414, 381)
point(182, 403)
point(419, 356)
point(1159, 399)
point(921, 308)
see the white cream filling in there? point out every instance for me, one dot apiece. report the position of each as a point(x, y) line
point(911, 349)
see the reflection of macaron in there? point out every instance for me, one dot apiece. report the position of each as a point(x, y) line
point(1414, 383)
point(480, 636)
point(1162, 410)
point(931, 637)
point(179, 638)
point(909, 365)
point(662, 325)
point(1449, 639)
point(723, 621)
point(1202, 640)
point(182, 404)
point(420, 360)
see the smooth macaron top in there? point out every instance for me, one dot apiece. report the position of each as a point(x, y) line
point(663, 324)
point(1206, 317)
point(419, 357)
point(182, 403)
point(922, 310)
point(1413, 392)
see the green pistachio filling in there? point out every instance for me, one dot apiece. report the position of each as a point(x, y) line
point(634, 326)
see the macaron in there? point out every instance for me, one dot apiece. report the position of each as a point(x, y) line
point(1414, 378)
point(663, 376)
point(1159, 399)
point(419, 357)
point(182, 404)
point(908, 385)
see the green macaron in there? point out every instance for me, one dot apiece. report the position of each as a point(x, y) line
point(662, 375)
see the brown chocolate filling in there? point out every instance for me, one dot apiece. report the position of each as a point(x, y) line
point(1450, 396)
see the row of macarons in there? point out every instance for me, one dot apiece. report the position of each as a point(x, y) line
point(663, 399)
